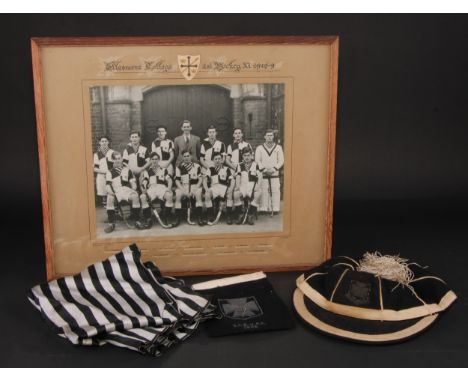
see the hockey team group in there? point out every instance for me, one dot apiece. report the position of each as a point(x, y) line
point(188, 178)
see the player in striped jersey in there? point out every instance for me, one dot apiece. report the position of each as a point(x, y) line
point(270, 159)
point(164, 147)
point(209, 147)
point(188, 180)
point(102, 163)
point(135, 155)
point(218, 183)
point(248, 180)
point(121, 186)
point(156, 184)
point(234, 150)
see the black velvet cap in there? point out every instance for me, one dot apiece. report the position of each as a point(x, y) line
point(339, 299)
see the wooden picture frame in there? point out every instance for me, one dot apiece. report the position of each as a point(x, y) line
point(65, 72)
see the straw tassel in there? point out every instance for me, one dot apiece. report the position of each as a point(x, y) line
point(389, 267)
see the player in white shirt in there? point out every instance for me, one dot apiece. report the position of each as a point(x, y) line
point(102, 160)
point(218, 183)
point(234, 150)
point(247, 188)
point(121, 186)
point(209, 147)
point(270, 159)
point(135, 155)
point(164, 147)
point(156, 183)
point(188, 180)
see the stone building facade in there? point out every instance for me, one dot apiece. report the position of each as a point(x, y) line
point(118, 110)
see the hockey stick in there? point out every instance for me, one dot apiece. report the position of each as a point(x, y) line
point(189, 208)
point(155, 212)
point(145, 225)
point(218, 215)
point(249, 201)
point(214, 222)
point(246, 213)
point(119, 206)
point(270, 191)
point(131, 226)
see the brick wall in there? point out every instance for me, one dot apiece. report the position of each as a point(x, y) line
point(255, 106)
point(96, 124)
point(277, 118)
point(135, 117)
point(121, 117)
point(256, 125)
point(118, 124)
point(237, 116)
point(124, 115)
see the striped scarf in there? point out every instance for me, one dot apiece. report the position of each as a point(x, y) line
point(122, 302)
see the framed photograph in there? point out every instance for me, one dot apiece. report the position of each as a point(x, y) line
point(212, 154)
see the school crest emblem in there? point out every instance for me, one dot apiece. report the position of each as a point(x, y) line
point(358, 292)
point(243, 308)
point(189, 65)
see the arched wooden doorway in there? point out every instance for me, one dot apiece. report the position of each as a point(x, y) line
point(203, 105)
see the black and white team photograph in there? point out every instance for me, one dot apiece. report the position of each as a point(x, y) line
point(187, 159)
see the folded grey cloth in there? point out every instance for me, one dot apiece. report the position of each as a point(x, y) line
point(122, 302)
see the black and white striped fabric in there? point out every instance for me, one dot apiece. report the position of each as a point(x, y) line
point(122, 302)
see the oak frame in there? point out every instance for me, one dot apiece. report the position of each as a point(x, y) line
point(37, 43)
